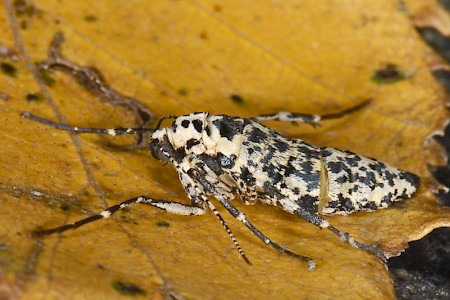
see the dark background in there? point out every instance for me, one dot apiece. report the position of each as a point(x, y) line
point(423, 270)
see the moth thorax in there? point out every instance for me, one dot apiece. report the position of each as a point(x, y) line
point(187, 130)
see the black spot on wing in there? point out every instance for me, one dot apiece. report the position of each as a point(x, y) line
point(281, 145)
point(257, 135)
point(313, 182)
point(252, 148)
point(289, 170)
point(273, 172)
point(378, 167)
point(306, 166)
point(352, 159)
point(269, 156)
point(334, 167)
point(326, 152)
point(341, 180)
point(198, 125)
point(246, 176)
point(308, 203)
point(348, 205)
point(389, 178)
point(185, 123)
point(228, 127)
point(308, 151)
point(367, 179)
point(411, 178)
point(343, 203)
point(333, 204)
point(271, 192)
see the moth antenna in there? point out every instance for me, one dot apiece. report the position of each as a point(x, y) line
point(66, 127)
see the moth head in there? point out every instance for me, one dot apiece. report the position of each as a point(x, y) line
point(160, 146)
point(184, 137)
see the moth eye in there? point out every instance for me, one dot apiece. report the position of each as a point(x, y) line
point(156, 150)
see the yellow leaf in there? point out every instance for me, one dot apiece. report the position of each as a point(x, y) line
point(226, 57)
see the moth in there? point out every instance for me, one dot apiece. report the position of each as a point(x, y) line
point(223, 157)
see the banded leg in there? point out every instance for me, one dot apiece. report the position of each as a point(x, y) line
point(284, 116)
point(242, 218)
point(228, 230)
point(344, 236)
point(109, 131)
point(172, 207)
point(196, 192)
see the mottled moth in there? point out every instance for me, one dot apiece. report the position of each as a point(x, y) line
point(224, 157)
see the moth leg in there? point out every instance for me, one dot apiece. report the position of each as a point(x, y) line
point(285, 116)
point(344, 236)
point(169, 206)
point(242, 218)
point(196, 192)
point(228, 230)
